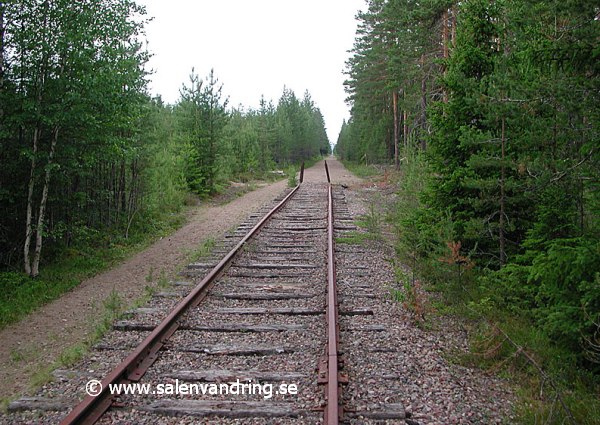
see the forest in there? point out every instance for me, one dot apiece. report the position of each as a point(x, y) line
point(90, 161)
point(489, 110)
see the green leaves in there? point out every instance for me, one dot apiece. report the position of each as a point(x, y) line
point(74, 84)
point(507, 93)
point(222, 144)
point(568, 290)
point(201, 117)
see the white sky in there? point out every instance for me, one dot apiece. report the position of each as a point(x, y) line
point(256, 47)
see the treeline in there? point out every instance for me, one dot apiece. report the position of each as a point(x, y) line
point(497, 104)
point(222, 143)
point(87, 156)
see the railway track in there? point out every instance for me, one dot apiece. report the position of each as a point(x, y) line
point(307, 324)
point(249, 335)
point(257, 329)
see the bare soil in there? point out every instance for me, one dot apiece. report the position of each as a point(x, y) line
point(37, 341)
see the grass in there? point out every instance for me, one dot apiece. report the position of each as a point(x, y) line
point(397, 295)
point(502, 342)
point(371, 225)
point(371, 222)
point(456, 293)
point(363, 170)
point(21, 294)
point(540, 394)
point(354, 238)
point(113, 308)
point(203, 250)
point(291, 175)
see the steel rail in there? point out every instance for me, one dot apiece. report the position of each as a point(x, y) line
point(137, 363)
point(332, 409)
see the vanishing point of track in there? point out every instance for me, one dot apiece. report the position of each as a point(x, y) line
point(266, 314)
point(263, 299)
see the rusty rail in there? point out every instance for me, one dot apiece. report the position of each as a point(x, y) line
point(327, 172)
point(137, 363)
point(332, 412)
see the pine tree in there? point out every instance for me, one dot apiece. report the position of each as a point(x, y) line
point(202, 115)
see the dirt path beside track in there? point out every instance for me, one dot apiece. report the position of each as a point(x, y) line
point(38, 340)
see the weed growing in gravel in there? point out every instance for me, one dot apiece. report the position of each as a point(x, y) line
point(371, 222)
point(412, 298)
point(291, 175)
point(203, 250)
point(163, 281)
point(71, 355)
point(354, 238)
point(42, 376)
point(16, 356)
point(113, 308)
point(150, 276)
point(251, 246)
point(397, 295)
point(25, 353)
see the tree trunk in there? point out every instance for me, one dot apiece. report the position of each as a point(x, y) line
point(423, 111)
point(423, 141)
point(445, 34)
point(405, 128)
point(122, 190)
point(41, 214)
point(453, 26)
point(395, 112)
point(1, 57)
point(112, 194)
point(502, 198)
point(29, 217)
point(445, 48)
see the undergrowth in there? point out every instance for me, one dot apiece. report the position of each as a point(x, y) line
point(363, 170)
point(551, 384)
point(371, 228)
point(69, 266)
point(21, 294)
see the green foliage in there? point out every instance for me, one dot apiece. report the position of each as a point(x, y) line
point(222, 145)
point(203, 250)
point(21, 294)
point(509, 180)
point(291, 175)
point(72, 99)
point(201, 118)
point(86, 155)
point(371, 222)
point(361, 170)
point(566, 278)
point(395, 57)
point(163, 171)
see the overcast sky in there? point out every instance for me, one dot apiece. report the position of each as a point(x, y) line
point(256, 47)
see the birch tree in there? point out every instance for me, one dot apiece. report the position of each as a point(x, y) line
point(70, 62)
